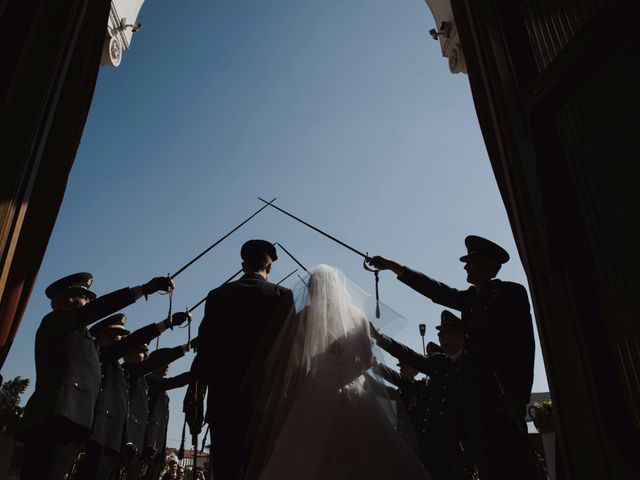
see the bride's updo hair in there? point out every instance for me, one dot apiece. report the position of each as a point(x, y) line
point(327, 282)
point(330, 302)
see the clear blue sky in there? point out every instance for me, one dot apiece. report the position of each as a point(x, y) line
point(345, 111)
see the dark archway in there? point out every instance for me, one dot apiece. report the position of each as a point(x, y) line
point(556, 90)
point(50, 53)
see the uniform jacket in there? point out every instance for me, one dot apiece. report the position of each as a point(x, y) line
point(112, 406)
point(68, 374)
point(443, 376)
point(498, 329)
point(139, 395)
point(437, 415)
point(249, 314)
point(155, 439)
point(138, 409)
point(414, 395)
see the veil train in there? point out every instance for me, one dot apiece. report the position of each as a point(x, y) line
point(322, 411)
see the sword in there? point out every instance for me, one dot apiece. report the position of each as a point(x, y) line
point(287, 277)
point(231, 278)
point(291, 256)
point(206, 250)
point(189, 310)
point(271, 204)
point(339, 242)
point(73, 471)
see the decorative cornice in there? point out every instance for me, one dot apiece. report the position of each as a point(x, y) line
point(120, 28)
point(447, 34)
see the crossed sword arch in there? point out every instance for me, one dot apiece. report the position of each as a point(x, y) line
point(278, 244)
point(235, 275)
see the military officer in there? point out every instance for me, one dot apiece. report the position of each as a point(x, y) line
point(59, 415)
point(138, 412)
point(414, 395)
point(496, 369)
point(102, 450)
point(438, 427)
point(155, 439)
point(433, 347)
point(136, 365)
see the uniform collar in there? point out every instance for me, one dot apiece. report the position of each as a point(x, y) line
point(252, 276)
point(487, 287)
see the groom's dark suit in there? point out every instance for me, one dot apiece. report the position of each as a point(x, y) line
point(242, 319)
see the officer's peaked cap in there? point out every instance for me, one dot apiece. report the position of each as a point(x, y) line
point(449, 320)
point(76, 283)
point(114, 322)
point(142, 348)
point(158, 351)
point(481, 246)
point(255, 247)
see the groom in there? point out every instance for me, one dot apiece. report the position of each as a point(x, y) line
point(241, 322)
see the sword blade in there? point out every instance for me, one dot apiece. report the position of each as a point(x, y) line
point(331, 237)
point(292, 257)
point(287, 277)
point(198, 257)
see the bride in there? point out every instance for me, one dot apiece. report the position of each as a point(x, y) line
point(322, 413)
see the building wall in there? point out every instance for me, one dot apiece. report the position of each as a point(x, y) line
point(51, 53)
point(558, 100)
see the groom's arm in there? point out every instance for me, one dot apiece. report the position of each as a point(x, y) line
point(280, 320)
point(284, 310)
point(281, 316)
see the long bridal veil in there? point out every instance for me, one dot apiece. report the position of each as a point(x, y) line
point(322, 411)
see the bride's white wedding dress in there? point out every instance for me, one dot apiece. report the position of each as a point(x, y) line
point(337, 423)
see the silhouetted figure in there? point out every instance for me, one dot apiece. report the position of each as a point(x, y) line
point(59, 415)
point(172, 472)
point(102, 450)
point(242, 319)
point(414, 395)
point(136, 365)
point(155, 441)
point(439, 431)
point(497, 361)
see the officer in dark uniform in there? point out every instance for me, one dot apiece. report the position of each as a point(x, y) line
point(249, 313)
point(133, 440)
point(414, 395)
point(102, 450)
point(437, 425)
point(136, 365)
point(155, 439)
point(59, 415)
point(497, 361)
point(433, 347)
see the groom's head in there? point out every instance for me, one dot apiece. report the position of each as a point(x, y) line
point(258, 256)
